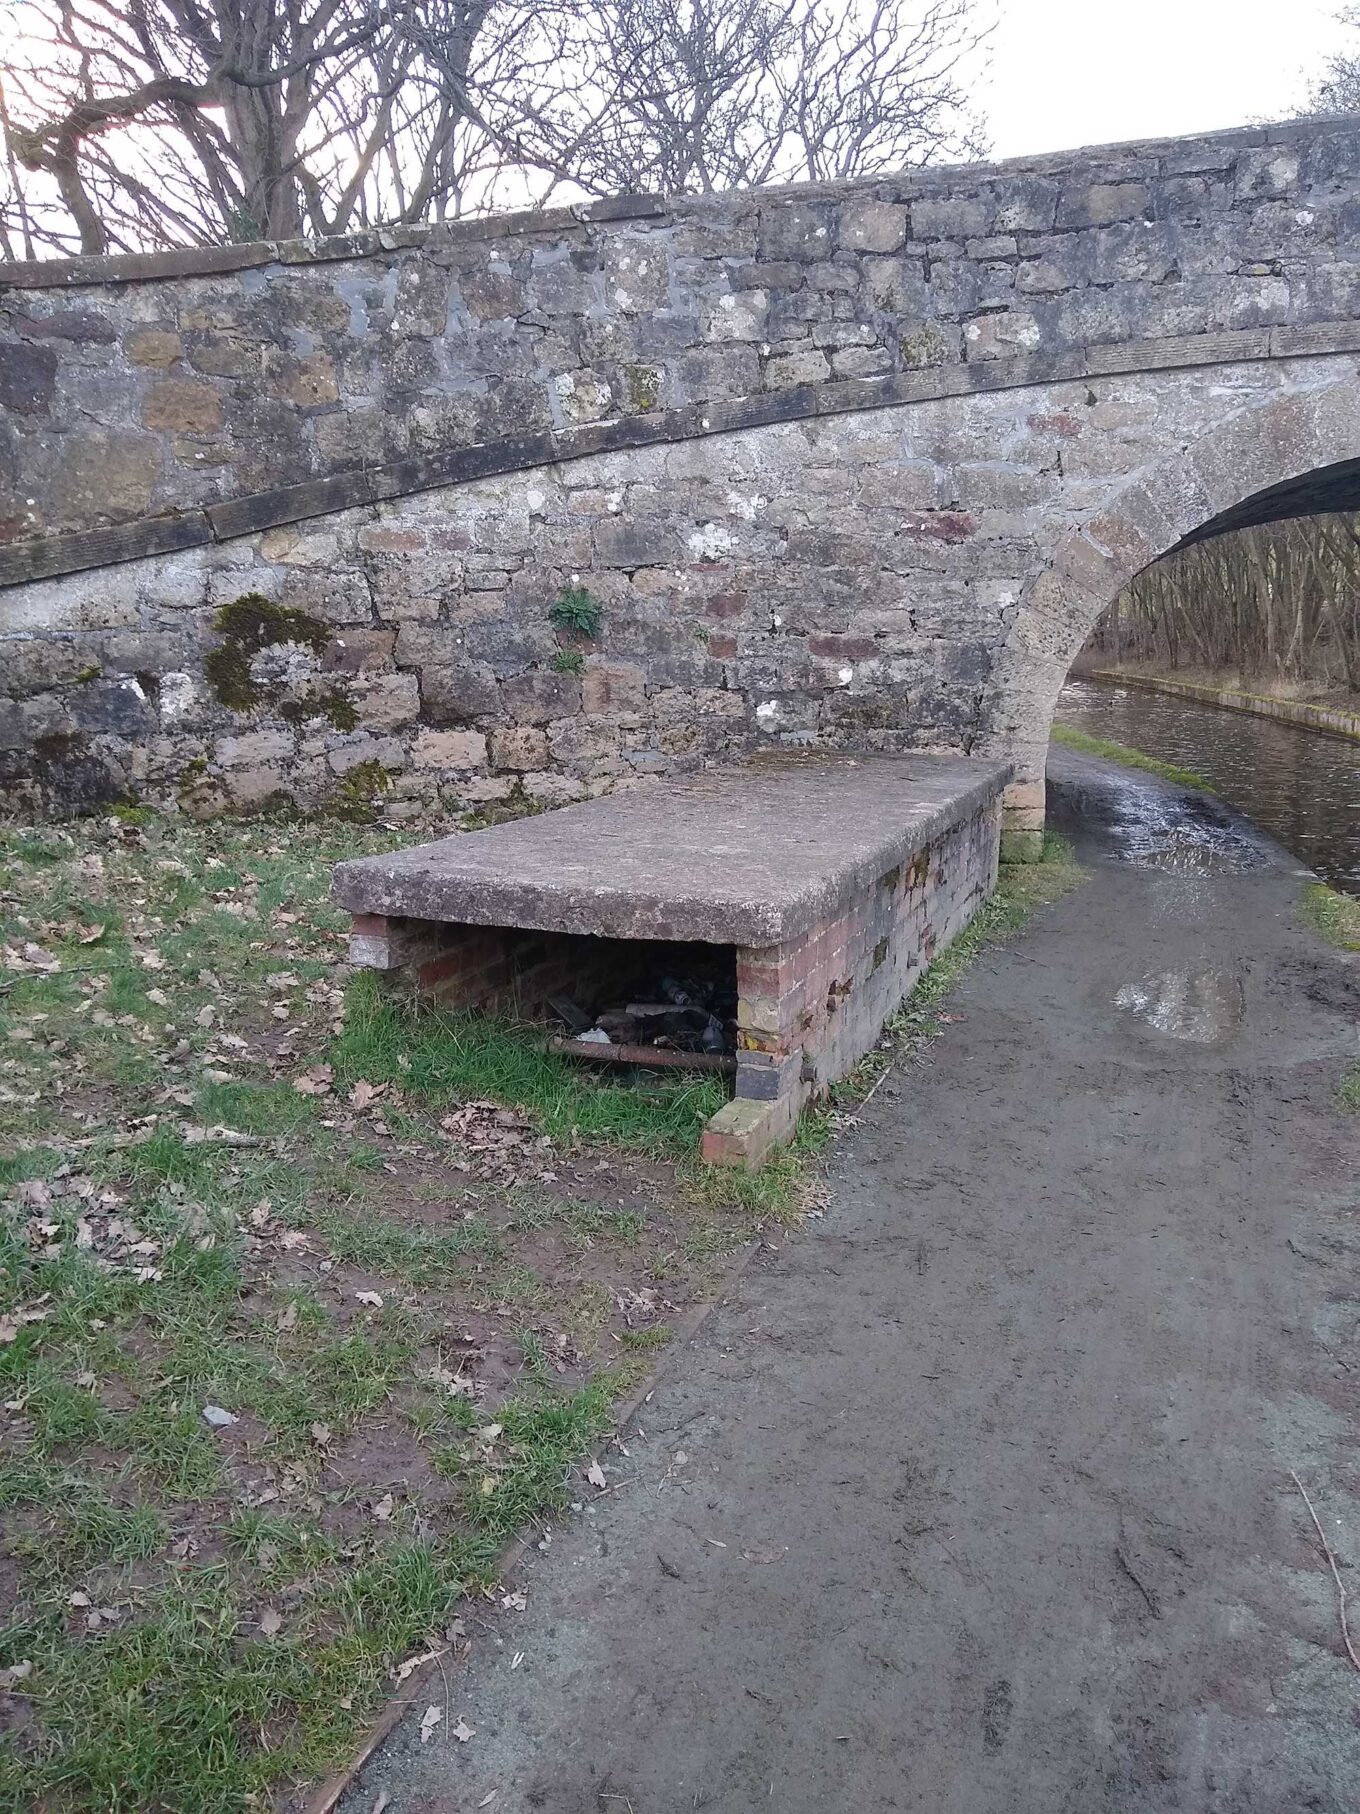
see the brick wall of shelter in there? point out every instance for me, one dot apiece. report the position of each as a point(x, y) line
point(809, 1009)
point(506, 970)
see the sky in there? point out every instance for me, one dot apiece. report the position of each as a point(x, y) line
point(1066, 73)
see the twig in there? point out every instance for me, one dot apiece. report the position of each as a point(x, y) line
point(1336, 1573)
point(1149, 1597)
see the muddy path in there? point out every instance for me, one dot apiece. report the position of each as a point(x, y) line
point(976, 1498)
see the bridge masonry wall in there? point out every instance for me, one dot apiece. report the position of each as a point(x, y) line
point(806, 448)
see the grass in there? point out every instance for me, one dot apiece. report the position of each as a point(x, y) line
point(1074, 739)
point(419, 1314)
point(1336, 917)
point(1333, 915)
point(436, 1054)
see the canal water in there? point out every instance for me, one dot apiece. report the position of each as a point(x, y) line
point(1301, 786)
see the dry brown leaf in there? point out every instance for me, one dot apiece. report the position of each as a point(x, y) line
point(596, 1475)
point(382, 1511)
point(428, 1721)
point(463, 1732)
point(372, 1298)
point(271, 1622)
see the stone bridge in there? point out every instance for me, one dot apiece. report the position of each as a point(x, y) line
point(854, 465)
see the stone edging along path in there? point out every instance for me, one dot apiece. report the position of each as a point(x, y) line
point(1289, 711)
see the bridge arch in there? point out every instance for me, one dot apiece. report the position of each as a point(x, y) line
point(1278, 455)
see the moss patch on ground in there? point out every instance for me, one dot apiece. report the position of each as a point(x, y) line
point(405, 1262)
point(1072, 738)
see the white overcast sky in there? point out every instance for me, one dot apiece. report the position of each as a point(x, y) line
point(1066, 73)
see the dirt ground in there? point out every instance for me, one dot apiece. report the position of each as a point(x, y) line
point(977, 1497)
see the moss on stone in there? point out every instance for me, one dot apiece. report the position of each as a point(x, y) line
point(247, 625)
point(358, 794)
point(334, 704)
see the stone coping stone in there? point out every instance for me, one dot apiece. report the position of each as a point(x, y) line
point(746, 855)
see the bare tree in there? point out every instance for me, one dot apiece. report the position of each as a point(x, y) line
point(1337, 89)
point(709, 94)
point(1280, 603)
point(173, 122)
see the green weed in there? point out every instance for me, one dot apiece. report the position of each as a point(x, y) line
point(1069, 735)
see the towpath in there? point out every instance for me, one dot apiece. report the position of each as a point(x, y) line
point(977, 1498)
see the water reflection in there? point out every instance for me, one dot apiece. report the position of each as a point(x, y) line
point(1301, 787)
point(1202, 1006)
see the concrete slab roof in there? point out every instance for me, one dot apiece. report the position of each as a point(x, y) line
point(748, 855)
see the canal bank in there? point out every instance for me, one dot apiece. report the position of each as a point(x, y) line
point(1301, 712)
point(978, 1496)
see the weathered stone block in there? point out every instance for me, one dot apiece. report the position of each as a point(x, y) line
point(1101, 204)
point(184, 405)
point(952, 217)
point(538, 697)
point(873, 226)
point(613, 687)
point(28, 377)
point(104, 476)
point(458, 693)
point(385, 702)
point(520, 748)
point(797, 230)
point(153, 346)
point(358, 651)
point(456, 750)
point(254, 747)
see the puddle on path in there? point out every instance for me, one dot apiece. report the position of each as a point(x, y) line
point(1203, 1007)
point(1179, 838)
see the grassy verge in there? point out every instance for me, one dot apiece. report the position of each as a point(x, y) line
point(403, 1263)
point(1334, 915)
point(1074, 739)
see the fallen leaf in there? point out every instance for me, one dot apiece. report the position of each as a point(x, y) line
point(92, 935)
point(372, 1298)
point(596, 1475)
point(487, 1800)
point(271, 1622)
point(364, 1092)
point(382, 1511)
point(17, 1672)
point(463, 1732)
point(321, 1434)
point(428, 1721)
point(765, 1552)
